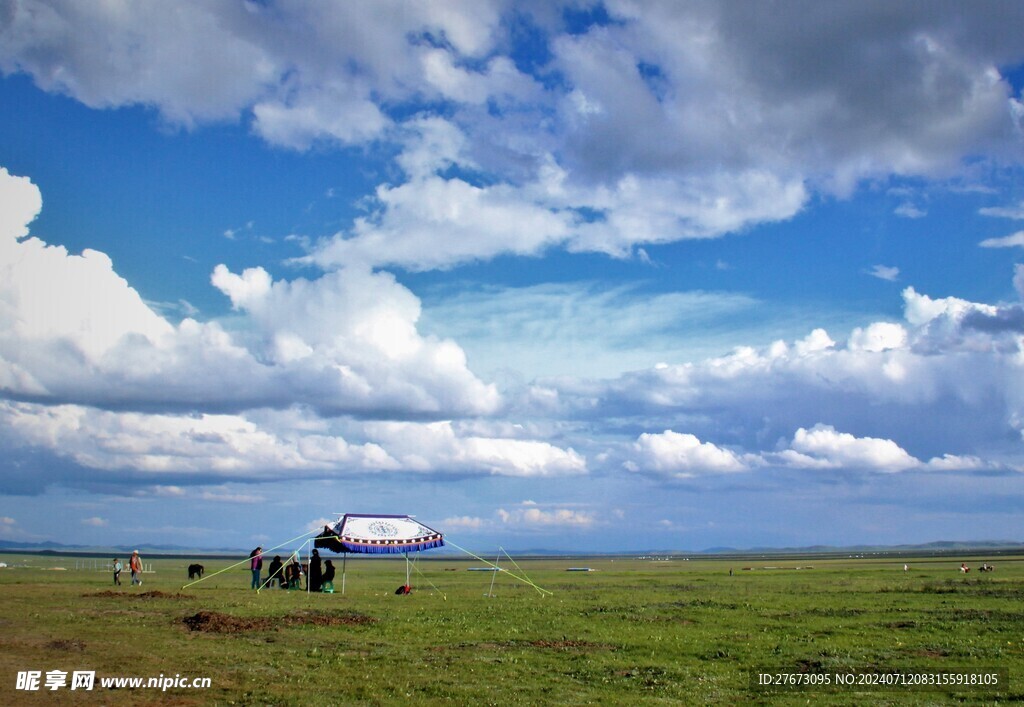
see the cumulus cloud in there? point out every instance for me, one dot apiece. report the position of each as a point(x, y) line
point(72, 330)
point(683, 455)
point(198, 449)
point(822, 447)
point(437, 446)
point(940, 391)
point(306, 72)
point(660, 124)
point(533, 517)
point(880, 336)
point(839, 449)
point(463, 523)
point(95, 522)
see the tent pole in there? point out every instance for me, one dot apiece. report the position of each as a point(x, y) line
point(309, 566)
point(344, 557)
point(406, 568)
point(494, 575)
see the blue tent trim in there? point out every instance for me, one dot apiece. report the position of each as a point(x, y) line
point(395, 549)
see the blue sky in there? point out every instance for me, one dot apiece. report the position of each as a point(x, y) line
point(622, 275)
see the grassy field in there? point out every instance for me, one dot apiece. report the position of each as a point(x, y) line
point(632, 631)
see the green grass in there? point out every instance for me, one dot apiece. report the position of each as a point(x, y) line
point(633, 631)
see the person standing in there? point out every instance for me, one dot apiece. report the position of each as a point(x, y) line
point(315, 572)
point(256, 564)
point(117, 572)
point(276, 572)
point(135, 565)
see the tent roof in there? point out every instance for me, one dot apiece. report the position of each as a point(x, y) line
point(378, 535)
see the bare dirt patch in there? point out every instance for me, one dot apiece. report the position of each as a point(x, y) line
point(66, 645)
point(152, 594)
point(216, 622)
point(565, 644)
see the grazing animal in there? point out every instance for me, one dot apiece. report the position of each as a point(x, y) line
point(195, 571)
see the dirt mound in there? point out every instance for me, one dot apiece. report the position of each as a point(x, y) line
point(216, 622)
point(151, 594)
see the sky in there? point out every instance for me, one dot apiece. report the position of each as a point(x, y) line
point(593, 276)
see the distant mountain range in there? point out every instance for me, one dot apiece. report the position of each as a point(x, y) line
point(937, 547)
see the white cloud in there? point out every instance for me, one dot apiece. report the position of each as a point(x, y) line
point(225, 496)
point(839, 449)
point(1014, 240)
point(908, 210)
point(463, 523)
point(95, 522)
point(436, 223)
point(438, 447)
point(664, 124)
point(885, 272)
point(307, 73)
point(822, 447)
point(72, 330)
point(921, 309)
point(207, 447)
point(1012, 212)
point(538, 518)
point(683, 455)
point(946, 384)
point(43, 288)
point(880, 336)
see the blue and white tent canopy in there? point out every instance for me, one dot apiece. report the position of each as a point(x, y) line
point(378, 535)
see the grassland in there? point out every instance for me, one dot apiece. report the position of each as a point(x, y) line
point(633, 631)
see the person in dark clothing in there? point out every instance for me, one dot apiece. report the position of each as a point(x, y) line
point(276, 572)
point(328, 578)
point(315, 572)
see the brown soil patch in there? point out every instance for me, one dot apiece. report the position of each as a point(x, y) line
point(151, 594)
point(216, 622)
point(566, 644)
point(66, 645)
point(926, 653)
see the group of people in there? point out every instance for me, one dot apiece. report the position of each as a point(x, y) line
point(986, 567)
point(134, 564)
point(289, 576)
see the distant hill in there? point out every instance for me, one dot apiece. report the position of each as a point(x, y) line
point(939, 547)
point(55, 548)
